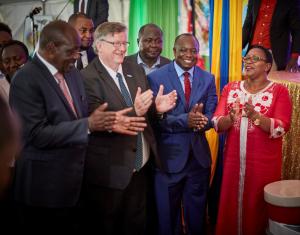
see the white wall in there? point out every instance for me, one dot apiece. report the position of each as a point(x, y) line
point(14, 14)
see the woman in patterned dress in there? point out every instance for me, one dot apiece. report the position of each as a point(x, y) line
point(255, 113)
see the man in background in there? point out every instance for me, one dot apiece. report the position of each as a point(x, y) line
point(275, 25)
point(14, 55)
point(150, 41)
point(85, 28)
point(5, 37)
point(96, 9)
point(5, 34)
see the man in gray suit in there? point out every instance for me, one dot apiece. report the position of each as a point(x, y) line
point(116, 165)
point(150, 41)
point(49, 97)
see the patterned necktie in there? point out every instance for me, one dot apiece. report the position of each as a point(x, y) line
point(187, 88)
point(63, 86)
point(139, 144)
point(82, 6)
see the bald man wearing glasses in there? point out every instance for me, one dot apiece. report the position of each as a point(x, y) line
point(117, 165)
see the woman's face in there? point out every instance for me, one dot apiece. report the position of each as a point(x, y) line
point(255, 63)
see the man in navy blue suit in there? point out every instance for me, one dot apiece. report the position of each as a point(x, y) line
point(85, 27)
point(182, 145)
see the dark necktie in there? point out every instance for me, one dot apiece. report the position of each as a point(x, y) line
point(187, 88)
point(82, 6)
point(139, 144)
point(79, 64)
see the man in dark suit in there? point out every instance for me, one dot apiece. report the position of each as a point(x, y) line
point(182, 145)
point(275, 25)
point(49, 97)
point(116, 165)
point(85, 28)
point(150, 41)
point(96, 9)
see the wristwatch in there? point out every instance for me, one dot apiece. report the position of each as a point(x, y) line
point(161, 116)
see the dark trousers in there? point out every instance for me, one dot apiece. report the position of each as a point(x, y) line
point(39, 220)
point(181, 199)
point(113, 212)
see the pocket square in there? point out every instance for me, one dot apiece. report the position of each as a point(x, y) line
point(129, 75)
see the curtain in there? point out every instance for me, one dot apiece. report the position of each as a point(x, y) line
point(226, 65)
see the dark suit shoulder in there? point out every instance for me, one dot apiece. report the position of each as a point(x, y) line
point(90, 70)
point(164, 69)
point(202, 72)
point(131, 58)
point(164, 60)
point(132, 67)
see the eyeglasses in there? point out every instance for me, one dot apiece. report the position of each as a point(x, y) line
point(252, 59)
point(116, 44)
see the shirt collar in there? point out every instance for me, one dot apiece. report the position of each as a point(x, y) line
point(140, 61)
point(111, 72)
point(180, 71)
point(49, 66)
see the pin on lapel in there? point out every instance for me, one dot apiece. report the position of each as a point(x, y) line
point(129, 75)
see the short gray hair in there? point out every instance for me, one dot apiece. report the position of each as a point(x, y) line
point(107, 28)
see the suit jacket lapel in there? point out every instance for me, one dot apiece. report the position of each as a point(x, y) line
point(50, 79)
point(174, 79)
point(130, 80)
point(109, 81)
point(74, 94)
point(90, 54)
point(197, 81)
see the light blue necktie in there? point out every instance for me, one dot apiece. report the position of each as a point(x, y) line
point(139, 144)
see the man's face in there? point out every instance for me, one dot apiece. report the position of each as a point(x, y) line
point(5, 37)
point(112, 49)
point(186, 52)
point(13, 57)
point(151, 43)
point(63, 56)
point(85, 29)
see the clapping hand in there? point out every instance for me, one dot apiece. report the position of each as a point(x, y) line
point(196, 119)
point(164, 103)
point(249, 109)
point(128, 125)
point(234, 113)
point(100, 119)
point(142, 101)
